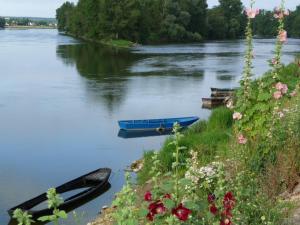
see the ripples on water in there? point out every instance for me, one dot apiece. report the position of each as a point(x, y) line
point(60, 100)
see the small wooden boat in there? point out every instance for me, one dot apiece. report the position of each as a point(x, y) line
point(213, 102)
point(222, 92)
point(156, 124)
point(96, 183)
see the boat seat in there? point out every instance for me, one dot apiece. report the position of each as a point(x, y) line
point(98, 176)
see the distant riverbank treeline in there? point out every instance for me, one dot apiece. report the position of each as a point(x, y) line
point(161, 21)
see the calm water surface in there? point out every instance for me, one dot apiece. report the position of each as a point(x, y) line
point(60, 101)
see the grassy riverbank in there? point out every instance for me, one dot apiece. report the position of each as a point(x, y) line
point(260, 174)
point(107, 42)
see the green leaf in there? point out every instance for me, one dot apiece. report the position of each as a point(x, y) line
point(45, 218)
point(169, 203)
point(143, 212)
point(62, 214)
point(264, 96)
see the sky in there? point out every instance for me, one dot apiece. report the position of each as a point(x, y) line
point(46, 8)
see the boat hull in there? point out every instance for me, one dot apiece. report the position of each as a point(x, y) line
point(95, 187)
point(222, 92)
point(213, 102)
point(156, 124)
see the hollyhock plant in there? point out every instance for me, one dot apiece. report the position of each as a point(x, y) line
point(213, 209)
point(156, 208)
point(242, 140)
point(277, 95)
point(281, 87)
point(252, 13)
point(283, 36)
point(279, 13)
point(228, 201)
point(237, 116)
point(225, 222)
point(274, 61)
point(167, 196)
point(181, 212)
point(211, 198)
point(148, 196)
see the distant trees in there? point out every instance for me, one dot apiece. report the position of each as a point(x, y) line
point(136, 20)
point(159, 21)
point(2, 22)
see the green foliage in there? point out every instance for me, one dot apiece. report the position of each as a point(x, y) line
point(23, 218)
point(126, 212)
point(157, 21)
point(220, 119)
point(207, 138)
point(54, 201)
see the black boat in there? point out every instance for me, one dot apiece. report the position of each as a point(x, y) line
point(222, 92)
point(96, 183)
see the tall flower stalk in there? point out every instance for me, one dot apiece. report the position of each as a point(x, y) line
point(247, 72)
point(280, 13)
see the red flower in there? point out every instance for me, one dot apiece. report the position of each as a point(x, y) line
point(181, 212)
point(211, 198)
point(225, 222)
point(213, 209)
point(168, 196)
point(229, 201)
point(148, 196)
point(226, 214)
point(156, 208)
point(150, 217)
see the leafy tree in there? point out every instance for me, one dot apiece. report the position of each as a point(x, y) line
point(232, 11)
point(217, 26)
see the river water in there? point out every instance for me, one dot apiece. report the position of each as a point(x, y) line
point(60, 100)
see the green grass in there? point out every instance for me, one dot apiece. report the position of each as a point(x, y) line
point(209, 138)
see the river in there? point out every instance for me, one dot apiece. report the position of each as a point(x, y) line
point(60, 100)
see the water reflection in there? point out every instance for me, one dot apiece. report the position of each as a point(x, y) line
point(142, 133)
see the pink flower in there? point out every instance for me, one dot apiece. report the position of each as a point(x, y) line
point(252, 13)
point(242, 140)
point(237, 116)
point(277, 95)
point(279, 13)
point(282, 36)
point(281, 87)
point(274, 61)
point(148, 196)
point(293, 94)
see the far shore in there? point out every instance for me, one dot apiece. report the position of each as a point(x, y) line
point(29, 27)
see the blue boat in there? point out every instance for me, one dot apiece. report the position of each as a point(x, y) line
point(156, 124)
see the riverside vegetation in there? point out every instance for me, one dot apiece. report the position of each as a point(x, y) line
point(231, 169)
point(164, 21)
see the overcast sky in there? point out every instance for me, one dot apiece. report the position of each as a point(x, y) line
point(46, 8)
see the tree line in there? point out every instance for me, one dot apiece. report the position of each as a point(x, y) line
point(2, 22)
point(160, 21)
